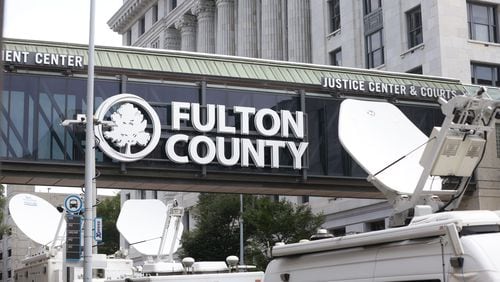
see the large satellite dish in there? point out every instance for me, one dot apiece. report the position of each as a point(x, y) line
point(376, 134)
point(142, 223)
point(37, 218)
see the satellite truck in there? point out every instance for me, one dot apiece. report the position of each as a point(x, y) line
point(155, 230)
point(428, 240)
point(45, 225)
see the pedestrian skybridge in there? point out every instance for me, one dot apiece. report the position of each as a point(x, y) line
point(214, 124)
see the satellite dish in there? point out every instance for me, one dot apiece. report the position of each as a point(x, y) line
point(142, 223)
point(376, 134)
point(37, 218)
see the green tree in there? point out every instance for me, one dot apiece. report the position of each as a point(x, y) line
point(109, 209)
point(3, 228)
point(265, 223)
point(217, 233)
point(270, 222)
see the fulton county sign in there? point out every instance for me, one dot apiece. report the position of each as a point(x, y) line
point(282, 130)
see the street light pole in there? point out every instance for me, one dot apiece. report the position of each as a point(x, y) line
point(89, 155)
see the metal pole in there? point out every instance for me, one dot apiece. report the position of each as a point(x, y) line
point(242, 246)
point(89, 156)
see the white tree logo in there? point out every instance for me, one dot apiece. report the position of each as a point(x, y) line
point(129, 128)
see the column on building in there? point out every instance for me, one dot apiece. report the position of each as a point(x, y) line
point(187, 27)
point(272, 30)
point(204, 10)
point(172, 39)
point(246, 44)
point(299, 30)
point(225, 27)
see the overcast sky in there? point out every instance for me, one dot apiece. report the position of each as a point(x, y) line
point(60, 20)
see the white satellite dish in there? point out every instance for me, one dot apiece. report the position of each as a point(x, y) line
point(376, 134)
point(142, 223)
point(37, 218)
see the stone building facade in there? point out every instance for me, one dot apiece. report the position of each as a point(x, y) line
point(448, 38)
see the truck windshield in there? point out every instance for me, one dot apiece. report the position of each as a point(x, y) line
point(480, 229)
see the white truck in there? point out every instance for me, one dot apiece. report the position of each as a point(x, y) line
point(438, 244)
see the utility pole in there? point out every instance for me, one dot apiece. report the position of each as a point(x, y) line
point(89, 156)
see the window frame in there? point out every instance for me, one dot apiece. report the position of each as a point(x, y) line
point(334, 16)
point(154, 12)
point(368, 9)
point(495, 73)
point(369, 51)
point(491, 25)
point(129, 37)
point(141, 26)
point(333, 57)
point(413, 17)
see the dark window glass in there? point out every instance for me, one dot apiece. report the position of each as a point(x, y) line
point(129, 37)
point(414, 25)
point(173, 4)
point(337, 232)
point(372, 5)
point(9, 253)
point(142, 26)
point(483, 74)
point(376, 225)
point(482, 22)
point(334, 7)
point(375, 49)
point(155, 13)
point(417, 70)
point(497, 130)
point(304, 199)
point(336, 57)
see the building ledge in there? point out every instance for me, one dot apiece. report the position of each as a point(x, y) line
point(412, 50)
point(130, 9)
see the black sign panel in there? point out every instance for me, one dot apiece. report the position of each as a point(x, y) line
point(73, 237)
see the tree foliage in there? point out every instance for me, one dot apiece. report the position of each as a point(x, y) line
point(217, 232)
point(266, 222)
point(109, 209)
point(3, 228)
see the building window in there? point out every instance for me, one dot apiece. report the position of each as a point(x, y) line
point(334, 7)
point(485, 74)
point(336, 57)
point(129, 37)
point(414, 24)
point(173, 4)
point(155, 44)
point(417, 70)
point(143, 194)
point(155, 13)
point(142, 26)
point(155, 194)
point(304, 199)
point(9, 273)
point(482, 22)
point(497, 130)
point(376, 225)
point(127, 196)
point(337, 232)
point(9, 253)
point(372, 5)
point(374, 49)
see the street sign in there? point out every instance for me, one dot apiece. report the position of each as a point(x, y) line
point(73, 237)
point(98, 229)
point(73, 204)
